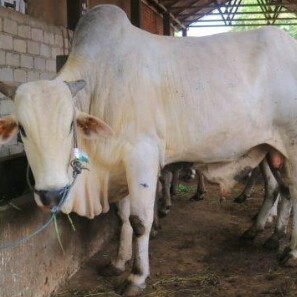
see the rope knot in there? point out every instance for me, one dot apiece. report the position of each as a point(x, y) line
point(77, 167)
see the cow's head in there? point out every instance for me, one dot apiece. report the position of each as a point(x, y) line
point(44, 116)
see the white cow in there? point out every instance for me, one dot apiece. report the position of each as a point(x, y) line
point(238, 89)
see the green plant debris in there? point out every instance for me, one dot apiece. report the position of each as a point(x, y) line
point(184, 188)
point(58, 233)
point(71, 222)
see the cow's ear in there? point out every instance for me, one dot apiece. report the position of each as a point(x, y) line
point(92, 127)
point(76, 86)
point(8, 129)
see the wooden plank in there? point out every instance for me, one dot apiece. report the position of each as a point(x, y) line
point(166, 24)
point(73, 13)
point(136, 13)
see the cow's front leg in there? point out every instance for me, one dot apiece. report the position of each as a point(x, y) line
point(141, 164)
point(117, 266)
point(201, 189)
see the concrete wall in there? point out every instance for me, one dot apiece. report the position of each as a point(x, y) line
point(38, 267)
point(28, 50)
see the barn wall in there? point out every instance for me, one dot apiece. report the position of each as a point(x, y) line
point(37, 267)
point(124, 4)
point(29, 44)
point(28, 50)
point(151, 21)
point(49, 11)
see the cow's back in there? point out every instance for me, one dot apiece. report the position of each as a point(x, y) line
point(193, 94)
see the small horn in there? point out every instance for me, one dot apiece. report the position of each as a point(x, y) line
point(8, 89)
point(76, 86)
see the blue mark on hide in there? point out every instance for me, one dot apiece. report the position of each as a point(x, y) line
point(144, 185)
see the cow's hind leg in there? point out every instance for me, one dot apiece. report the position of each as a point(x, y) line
point(248, 188)
point(174, 182)
point(285, 207)
point(271, 193)
point(274, 210)
point(289, 254)
point(117, 266)
point(201, 189)
point(142, 170)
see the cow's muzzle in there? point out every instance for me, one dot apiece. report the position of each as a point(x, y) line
point(52, 198)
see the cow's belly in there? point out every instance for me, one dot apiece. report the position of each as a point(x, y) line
point(219, 147)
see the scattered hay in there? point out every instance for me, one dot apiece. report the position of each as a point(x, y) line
point(194, 285)
point(166, 286)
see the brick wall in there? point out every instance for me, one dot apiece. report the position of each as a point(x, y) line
point(151, 21)
point(28, 50)
point(124, 4)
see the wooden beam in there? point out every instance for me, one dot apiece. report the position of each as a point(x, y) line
point(234, 13)
point(218, 14)
point(227, 6)
point(241, 25)
point(136, 13)
point(245, 20)
point(73, 13)
point(165, 9)
point(166, 24)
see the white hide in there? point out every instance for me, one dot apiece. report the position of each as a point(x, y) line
point(238, 89)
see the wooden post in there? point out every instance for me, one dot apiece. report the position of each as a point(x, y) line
point(166, 24)
point(74, 12)
point(136, 13)
point(60, 61)
point(185, 32)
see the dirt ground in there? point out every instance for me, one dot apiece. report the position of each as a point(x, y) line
point(198, 253)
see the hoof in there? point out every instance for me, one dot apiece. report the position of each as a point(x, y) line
point(198, 197)
point(272, 243)
point(248, 236)
point(240, 199)
point(154, 233)
point(163, 212)
point(271, 218)
point(110, 270)
point(287, 257)
point(129, 289)
point(173, 192)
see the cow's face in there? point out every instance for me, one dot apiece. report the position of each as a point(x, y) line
point(44, 116)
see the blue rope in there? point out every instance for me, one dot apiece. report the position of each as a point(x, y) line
point(54, 211)
point(28, 237)
point(77, 167)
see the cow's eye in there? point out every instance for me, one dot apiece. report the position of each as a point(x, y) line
point(22, 130)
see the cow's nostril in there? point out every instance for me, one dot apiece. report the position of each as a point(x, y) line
point(51, 198)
